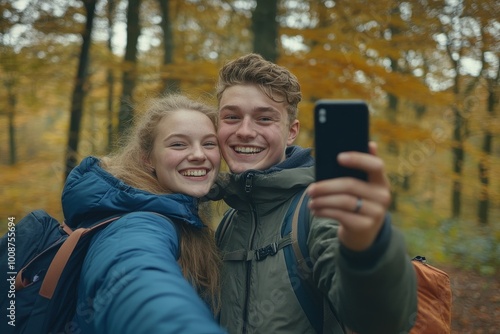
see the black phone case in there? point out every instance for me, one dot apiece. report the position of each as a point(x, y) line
point(340, 125)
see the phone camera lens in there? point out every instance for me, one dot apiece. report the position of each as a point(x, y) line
point(322, 115)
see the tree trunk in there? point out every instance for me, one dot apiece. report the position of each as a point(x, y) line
point(392, 147)
point(169, 84)
point(12, 140)
point(110, 78)
point(484, 162)
point(458, 160)
point(265, 29)
point(484, 167)
point(12, 102)
point(392, 110)
point(130, 66)
point(79, 91)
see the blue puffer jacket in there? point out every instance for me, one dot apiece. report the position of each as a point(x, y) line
point(130, 281)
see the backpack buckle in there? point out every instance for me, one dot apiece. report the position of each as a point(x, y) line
point(262, 253)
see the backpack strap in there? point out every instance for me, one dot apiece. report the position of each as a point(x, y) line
point(323, 320)
point(295, 231)
point(243, 254)
point(223, 225)
point(258, 254)
point(64, 253)
point(62, 256)
point(300, 246)
point(66, 228)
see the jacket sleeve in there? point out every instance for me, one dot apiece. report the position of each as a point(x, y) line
point(131, 282)
point(374, 296)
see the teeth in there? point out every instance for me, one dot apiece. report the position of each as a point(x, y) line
point(246, 149)
point(194, 172)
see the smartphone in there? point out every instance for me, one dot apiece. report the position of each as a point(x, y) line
point(339, 126)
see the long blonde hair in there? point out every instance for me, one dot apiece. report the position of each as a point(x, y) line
point(199, 256)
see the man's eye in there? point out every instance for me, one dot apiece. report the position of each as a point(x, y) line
point(230, 117)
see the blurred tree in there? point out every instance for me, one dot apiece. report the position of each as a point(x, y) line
point(129, 78)
point(110, 78)
point(265, 29)
point(169, 84)
point(9, 67)
point(10, 84)
point(461, 43)
point(485, 162)
point(71, 159)
point(486, 16)
point(391, 54)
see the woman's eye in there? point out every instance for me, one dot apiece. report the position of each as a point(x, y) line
point(211, 144)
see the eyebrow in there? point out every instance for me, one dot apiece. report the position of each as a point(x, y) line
point(232, 107)
point(184, 136)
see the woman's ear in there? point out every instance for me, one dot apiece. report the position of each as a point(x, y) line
point(148, 164)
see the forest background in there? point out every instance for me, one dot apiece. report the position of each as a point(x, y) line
point(72, 71)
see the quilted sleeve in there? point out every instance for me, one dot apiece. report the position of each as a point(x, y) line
point(131, 282)
point(375, 296)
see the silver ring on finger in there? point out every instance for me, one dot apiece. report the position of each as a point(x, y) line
point(359, 204)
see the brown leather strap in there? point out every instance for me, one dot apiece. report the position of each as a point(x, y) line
point(66, 228)
point(61, 258)
point(20, 283)
point(57, 265)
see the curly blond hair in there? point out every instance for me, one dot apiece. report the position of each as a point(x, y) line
point(277, 82)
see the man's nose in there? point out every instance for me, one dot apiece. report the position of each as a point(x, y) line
point(246, 129)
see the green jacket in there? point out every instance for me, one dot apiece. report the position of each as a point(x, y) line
point(371, 292)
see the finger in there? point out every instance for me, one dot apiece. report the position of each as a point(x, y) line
point(373, 148)
point(333, 202)
point(328, 206)
point(351, 187)
point(371, 164)
point(356, 232)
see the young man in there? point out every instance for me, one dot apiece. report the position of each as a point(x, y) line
point(360, 263)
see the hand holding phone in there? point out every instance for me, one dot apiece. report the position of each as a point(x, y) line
point(340, 126)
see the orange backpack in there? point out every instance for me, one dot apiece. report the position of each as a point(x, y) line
point(434, 299)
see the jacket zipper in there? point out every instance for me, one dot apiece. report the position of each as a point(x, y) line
point(248, 182)
point(248, 190)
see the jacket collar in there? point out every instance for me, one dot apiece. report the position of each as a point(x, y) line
point(92, 194)
point(268, 188)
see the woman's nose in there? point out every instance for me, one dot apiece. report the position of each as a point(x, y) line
point(197, 153)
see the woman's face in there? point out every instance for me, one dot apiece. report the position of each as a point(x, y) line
point(185, 153)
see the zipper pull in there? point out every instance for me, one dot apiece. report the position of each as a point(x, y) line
point(248, 182)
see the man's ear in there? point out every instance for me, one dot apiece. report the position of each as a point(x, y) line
point(293, 132)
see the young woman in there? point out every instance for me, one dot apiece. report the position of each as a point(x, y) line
point(146, 272)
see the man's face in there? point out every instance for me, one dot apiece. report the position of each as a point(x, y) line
point(253, 129)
